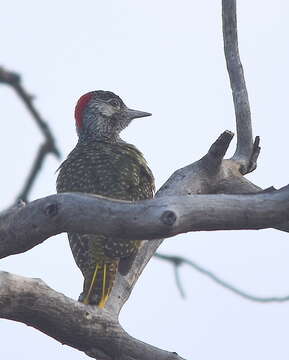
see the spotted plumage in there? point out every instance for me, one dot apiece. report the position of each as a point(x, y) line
point(102, 163)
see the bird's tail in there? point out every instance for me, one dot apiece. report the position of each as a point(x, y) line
point(100, 285)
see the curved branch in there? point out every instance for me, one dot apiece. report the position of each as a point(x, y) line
point(42, 152)
point(91, 329)
point(177, 261)
point(14, 80)
point(174, 210)
point(96, 331)
point(171, 212)
point(247, 152)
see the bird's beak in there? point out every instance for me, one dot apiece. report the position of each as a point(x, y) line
point(134, 114)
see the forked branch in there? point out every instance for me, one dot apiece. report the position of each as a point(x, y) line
point(178, 261)
point(48, 146)
point(196, 197)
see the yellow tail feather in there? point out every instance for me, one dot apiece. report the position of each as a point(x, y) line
point(106, 281)
point(87, 296)
point(104, 296)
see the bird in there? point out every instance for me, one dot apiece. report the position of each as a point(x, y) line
point(103, 164)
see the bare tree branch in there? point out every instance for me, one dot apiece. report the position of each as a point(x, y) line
point(86, 328)
point(247, 152)
point(14, 80)
point(177, 261)
point(195, 178)
point(143, 220)
point(195, 198)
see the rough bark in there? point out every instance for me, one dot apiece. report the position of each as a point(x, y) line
point(210, 194)
point(165, 216)
point(87, 328)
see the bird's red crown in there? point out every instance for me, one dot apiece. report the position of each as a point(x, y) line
point(81, 104)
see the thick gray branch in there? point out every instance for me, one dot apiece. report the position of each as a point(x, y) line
point(86, 328)
point(143, 220)
point(177, 208)
point(185, 203)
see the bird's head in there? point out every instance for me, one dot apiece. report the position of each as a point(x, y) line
point(103, 115)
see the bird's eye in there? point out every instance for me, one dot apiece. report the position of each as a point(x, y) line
point(114, 103)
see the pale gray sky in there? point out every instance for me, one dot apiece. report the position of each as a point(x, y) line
point(165, 57)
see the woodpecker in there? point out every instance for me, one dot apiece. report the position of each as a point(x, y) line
point(102, 163)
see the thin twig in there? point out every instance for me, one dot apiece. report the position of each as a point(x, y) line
point(35, 169)
point(179, 282)
point(14, 80)
point(177, 261)
point(246, 152)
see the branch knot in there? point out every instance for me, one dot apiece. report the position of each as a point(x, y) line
point(169, 217)
point(51, 210)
